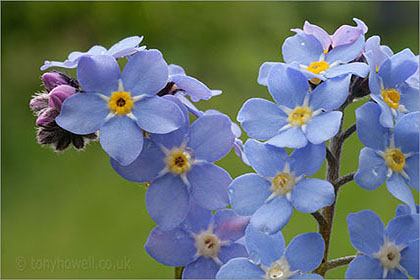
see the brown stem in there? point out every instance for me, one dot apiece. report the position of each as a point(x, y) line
point(332, 264)
point(344, 180)
point(346, 134)
point(322, 223)
point(178, 272)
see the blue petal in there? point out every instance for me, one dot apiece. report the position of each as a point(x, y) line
point(364, 267)
point(410, 259)
point(262, 247)
point(122, 139)
point(386, 118)
point(302, 48)
point(356, 68)
point(211, 137)
point(99, 74)
point(125, 46)
point(403, 209)
point(307, 160)
point(175, 70)
point(396, 274)
point(398, 68)
point(202, 268)
point(409, 97)
point(399, 188)
point(374, 80)
point(209, 185)
point(305, 251)
point(366, 231)
point(406, 133)
point(372, 170)
point(168, 201)
point(267, 160)
point(346, 53)
point(370, 132)
point(292, 137)
point(234, 250)
point(306, 276)
point(173, 248)
point(330, 94)
point(288, 86)
point(240, 268)
point(264, 72)
point(145, 73)
point(228, 225)
point(65, 64)
point(261, 119)
point(187, 103)
point(247, 193)
point(198, 218)
point(403, 229)
point(175, 138)
point(82, 113)
point(158, 115)
point(272, 216)
point(311, 194)
point(193, 87)
point(146, 167)
point(323, 127)
point(412, 169)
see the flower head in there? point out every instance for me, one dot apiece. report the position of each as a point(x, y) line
point(391, 156)
point(125, 47)
point(181, 169)
point(390, 252)
point(270, 196)
point(202, 243)
point(388, 83)
point(300, 115)
point(121, 105)
point(269, 259)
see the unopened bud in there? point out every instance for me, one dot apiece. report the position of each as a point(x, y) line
point(53, 79)
point(59, 94)
point(39, 102)
point(46, 116)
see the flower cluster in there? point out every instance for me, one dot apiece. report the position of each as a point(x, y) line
point(148, 125)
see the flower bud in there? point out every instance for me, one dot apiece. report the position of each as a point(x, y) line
point(53, 79)
point(59, 94)
point(39, 102)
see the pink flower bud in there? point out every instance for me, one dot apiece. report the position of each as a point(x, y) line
point(59, 94)
point(53, 79)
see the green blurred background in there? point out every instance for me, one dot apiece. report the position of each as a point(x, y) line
point(71, 206)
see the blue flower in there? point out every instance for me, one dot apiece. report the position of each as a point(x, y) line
point(270, 196)
point(121, 105)
point(125, 47)
point(269, 259)
point(391, 156)
point(301, 115)
point(390, 252)
point(388, 86)
point(202, 243)
point(180, 165)
point(321, 56)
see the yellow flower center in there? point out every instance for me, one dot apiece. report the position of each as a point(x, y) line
point(300, 116)
point(178, 161)
point(394, 159)
point(318, 66)
point(391, 97)
point(121, 102)
point(282, 183)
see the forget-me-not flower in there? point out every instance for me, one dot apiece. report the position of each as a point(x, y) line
point(125, 47)
point(270, 196)
point(300, 115)
point(390, 252)
point(388, 86)
point(321, 56)
point(202, 243)
point(121, 105)
point(269, 259)
point(181, 165)
point(391, 156)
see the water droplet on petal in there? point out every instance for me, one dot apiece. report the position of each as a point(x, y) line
point(254, 257)
point(375, 172)
point(179, 235)
point(266, 230)
point(231, 191)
